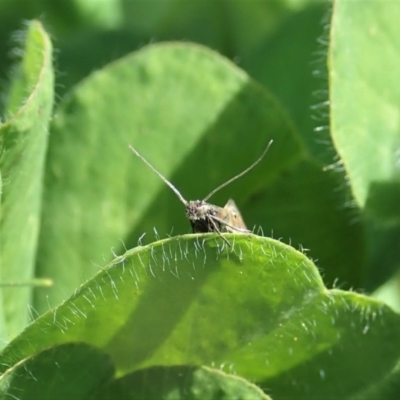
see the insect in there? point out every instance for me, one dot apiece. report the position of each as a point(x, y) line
point(205, 217)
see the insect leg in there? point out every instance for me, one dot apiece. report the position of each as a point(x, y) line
point(218, 231)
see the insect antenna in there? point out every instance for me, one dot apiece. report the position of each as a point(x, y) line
point(241, 174)
point(165, 180)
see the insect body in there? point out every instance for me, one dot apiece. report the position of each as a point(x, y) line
point(205, 217)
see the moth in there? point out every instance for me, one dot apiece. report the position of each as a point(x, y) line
point(205, 217)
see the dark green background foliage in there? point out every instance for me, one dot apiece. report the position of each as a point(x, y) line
point(199, 88)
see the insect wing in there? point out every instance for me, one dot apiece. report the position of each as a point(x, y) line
point(233, 218)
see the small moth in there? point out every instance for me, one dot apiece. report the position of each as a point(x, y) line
point(205, 217)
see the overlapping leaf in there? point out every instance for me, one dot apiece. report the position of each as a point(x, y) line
point(24, 142)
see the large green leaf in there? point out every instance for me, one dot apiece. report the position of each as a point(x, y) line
point(24, 142)
point(259, 308)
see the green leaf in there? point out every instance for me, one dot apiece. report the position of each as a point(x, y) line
point(259, 308)
point(84, 372)
point(364, 121)
point(70, 371)
point(181, 382)
point(194, 115)
point(24, 142)
point(365, 95)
